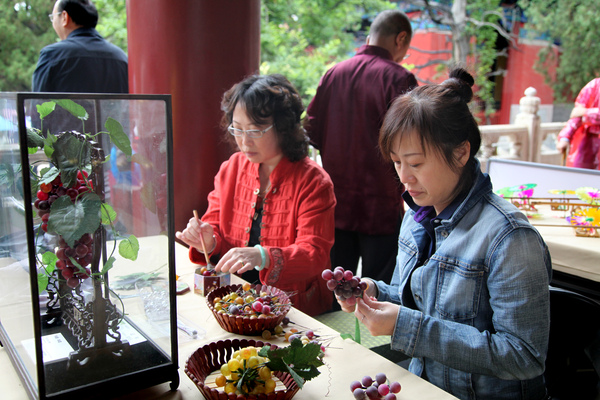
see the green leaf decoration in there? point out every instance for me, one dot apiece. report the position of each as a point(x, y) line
point(49, 258)
point(70, 155)
point(45, 108)
point(49, 174)
point(108, 214)
point(42, 279)
point(75, 109)
point(34, 138)
point(129, 248)
point(300, 361)
point(73, 220)
point(49, 145)
point(108, 265)
point(118, 135)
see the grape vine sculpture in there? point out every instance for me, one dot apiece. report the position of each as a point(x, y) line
point(69, 200)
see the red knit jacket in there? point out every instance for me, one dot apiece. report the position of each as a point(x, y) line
point(297, 229)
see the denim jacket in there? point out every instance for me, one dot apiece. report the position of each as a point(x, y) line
point(480, 328)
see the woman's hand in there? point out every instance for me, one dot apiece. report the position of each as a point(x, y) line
point(239, 260)
point(349, 305)
point(378, 317)
point(191, 235)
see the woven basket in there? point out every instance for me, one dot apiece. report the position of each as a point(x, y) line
point(244, 325)
point(210, 357)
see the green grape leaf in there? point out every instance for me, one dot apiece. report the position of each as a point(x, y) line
point(49, 174)
point(70, 155)
point(108, 214)
point(45, 108)
point(73, 220)
point(108, 265)
point(49, 145)
point(34, 138)
point(118, 135)
point(129, 248)
point(49, 258)
point(42, 279)
point(75, 109)
point(300, 361)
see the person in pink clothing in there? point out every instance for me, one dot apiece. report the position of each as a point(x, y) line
point(582, 133)
point(270, 216)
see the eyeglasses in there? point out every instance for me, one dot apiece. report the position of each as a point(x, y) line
point(251, 133)
point(51, 16)
point(406, 56)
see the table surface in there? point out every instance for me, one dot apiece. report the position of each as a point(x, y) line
point(345, 360)
point(571, 254)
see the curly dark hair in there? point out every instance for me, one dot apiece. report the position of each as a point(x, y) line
point(441, 116)
point(270, 96)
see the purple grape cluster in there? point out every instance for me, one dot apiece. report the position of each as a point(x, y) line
point(344, 284)
point(368, 388)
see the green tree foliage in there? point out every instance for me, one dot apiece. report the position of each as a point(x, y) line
point(574, 24)
point(25, 29)
point(302, 39)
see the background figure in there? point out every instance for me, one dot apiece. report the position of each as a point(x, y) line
point(272, 208)
point(469, 300)
point(582, 133)
point(344, 119)
point(82, 61)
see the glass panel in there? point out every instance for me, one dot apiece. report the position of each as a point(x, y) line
point(15, 290)
point(100, 217)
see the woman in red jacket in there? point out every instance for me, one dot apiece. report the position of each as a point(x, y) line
point(272, 208)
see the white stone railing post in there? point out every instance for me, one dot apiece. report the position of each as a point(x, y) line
point(528, 116)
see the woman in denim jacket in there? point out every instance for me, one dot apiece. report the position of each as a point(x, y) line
point(469, 300)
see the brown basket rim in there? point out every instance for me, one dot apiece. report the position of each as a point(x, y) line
point(244, 325)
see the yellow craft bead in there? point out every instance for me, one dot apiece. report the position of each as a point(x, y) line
point(264, 373)
point(221, 381)
point(269, 385)
point(230, 388)
point(225, 369)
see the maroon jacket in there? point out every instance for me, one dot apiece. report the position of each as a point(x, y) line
point(297, 224)
point(344, 119)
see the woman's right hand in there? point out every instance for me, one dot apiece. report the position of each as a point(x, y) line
point(191, 235)
point(348, 305)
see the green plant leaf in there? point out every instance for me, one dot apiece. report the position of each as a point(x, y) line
point(75, 109)
point(49, 258)
point(118, 135)
point(34, 138)
point(108, 265)
point(70, 155)
point(45, 108)
point(42, 279)
point(108, 214)
point(73, 220)
point(49, 174)
point(300, 361)
point(129, 248)
point(49, 145)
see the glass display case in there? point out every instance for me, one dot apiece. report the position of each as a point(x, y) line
point(87, 264)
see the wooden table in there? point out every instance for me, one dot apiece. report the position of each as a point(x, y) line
point(345, 360)
point(574, 257)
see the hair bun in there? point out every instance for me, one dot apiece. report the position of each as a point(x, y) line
point(462, 82)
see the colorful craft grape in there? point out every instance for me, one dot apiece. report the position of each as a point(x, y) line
point(248, 302)
point(344, 284)
point(368, 388)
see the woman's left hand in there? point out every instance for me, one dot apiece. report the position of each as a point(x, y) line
point(378, 317)
point(239, 260)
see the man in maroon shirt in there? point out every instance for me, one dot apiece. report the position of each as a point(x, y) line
point(344, 119)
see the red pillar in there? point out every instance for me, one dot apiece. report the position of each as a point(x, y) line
point(193, 50)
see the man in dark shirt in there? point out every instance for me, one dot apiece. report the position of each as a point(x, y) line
point(344, 119)
point(83, 61)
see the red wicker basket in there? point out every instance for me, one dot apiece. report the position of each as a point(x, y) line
point(244, 325)
point(210, 357)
